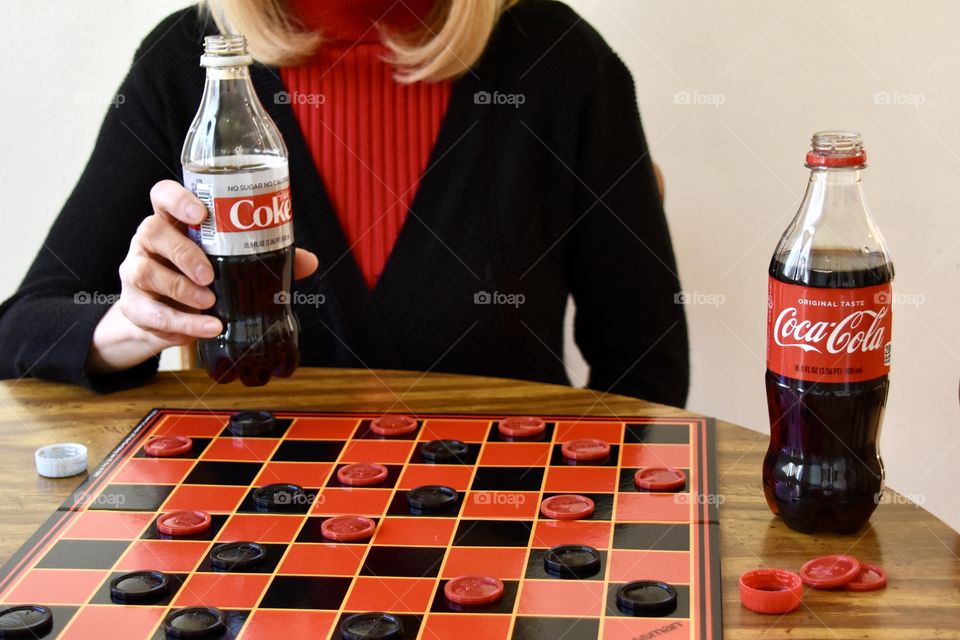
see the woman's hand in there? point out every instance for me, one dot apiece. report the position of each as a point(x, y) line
point(165, 282)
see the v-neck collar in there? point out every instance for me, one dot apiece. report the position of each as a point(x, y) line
point(368, 315)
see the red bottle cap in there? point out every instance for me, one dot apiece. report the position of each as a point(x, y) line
point(771, 590)
point(828, 572)
point(659, 479)
point(168, 446)
point(393, 425)
point(362, 474)
point(521, 426)
point(818, 160)
point(347, 528)
point(871, 578)
point(586, 449)
point(567, 507)
point(473, 590)
point(183, 523)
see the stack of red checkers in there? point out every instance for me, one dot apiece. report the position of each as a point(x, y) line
point(567, 507)
point(362, 474)
point(347, 528)
point(473, 590)
point(521, 427)
point(393, 425)
point(832, 572)
point(585, 450)
point(660, 479)
point(168, 446)
point(183, 523)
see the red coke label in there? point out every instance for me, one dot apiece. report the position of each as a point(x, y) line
point(248, 212)
point(828, 335)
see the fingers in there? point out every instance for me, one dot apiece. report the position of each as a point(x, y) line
point(158, 237)
point(304, 263)
point(146, 274)
point(173, 199)
point(154, 316)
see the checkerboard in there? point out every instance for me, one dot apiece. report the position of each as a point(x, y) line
point(307, 584)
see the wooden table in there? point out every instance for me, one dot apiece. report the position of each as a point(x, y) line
point(921, 554)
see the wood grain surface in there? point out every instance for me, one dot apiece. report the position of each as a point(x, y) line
point(920, 553)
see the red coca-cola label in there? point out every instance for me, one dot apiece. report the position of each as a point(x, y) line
point(828, 335)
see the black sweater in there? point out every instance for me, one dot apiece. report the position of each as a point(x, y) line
point(551, 197)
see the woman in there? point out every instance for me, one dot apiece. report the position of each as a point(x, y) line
point(458, 167)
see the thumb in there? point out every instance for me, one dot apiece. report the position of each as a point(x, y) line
point(304, 263)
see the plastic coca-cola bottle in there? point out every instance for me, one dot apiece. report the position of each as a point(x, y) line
point(235, 161)
point(828, 349)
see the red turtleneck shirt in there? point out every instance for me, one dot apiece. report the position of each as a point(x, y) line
point(370, 135)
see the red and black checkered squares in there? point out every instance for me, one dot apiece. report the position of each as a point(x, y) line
point(306, 584)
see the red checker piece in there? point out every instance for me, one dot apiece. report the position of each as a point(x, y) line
point(183, 523)
point(567, 507)
point(772, 591)
point(659, 479)
point(473, 590)
point(587, 449)
point(168, 446)
point(393, 425)
point(347, 528)
point(871, 578)
point(521, 426)
point(828, 572)
point(362, 474)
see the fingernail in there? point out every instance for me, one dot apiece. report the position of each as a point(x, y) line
point(203, 297)
point(203, 274)
point(196, 212)
point(211, 327)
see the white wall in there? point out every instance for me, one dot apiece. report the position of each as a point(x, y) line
point(768, 74)
point(734, 170)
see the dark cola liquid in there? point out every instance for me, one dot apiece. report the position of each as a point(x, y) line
point(822, 471)
point(261, 337)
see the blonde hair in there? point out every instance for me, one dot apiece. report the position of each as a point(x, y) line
point(450, 40)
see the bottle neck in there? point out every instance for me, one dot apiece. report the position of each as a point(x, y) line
point(237, 72)
point(832, 233)
point(229, 88)
point(831, 193)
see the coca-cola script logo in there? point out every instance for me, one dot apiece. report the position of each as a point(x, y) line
point(828, 335)
point(851, 334)
point(254, 213)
